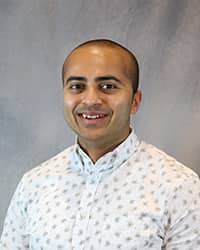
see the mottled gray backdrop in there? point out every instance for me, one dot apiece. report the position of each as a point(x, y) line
point(36, 35)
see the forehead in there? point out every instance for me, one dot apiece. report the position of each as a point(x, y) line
point(96, 57)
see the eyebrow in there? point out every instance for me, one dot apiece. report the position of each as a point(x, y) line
point(76, 78)
point(107, 78)
point(97, 79)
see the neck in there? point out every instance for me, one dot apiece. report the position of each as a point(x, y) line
point(96, 150)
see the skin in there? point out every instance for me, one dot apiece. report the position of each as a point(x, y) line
point(99, 98)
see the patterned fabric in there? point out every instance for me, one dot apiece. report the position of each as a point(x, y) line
point(135, 197)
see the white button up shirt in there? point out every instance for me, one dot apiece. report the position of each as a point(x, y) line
point(135, 197)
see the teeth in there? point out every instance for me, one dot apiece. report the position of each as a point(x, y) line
point(92, 116)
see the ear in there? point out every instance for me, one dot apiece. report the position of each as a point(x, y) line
point(137, 98)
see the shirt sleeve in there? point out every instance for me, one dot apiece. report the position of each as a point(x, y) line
point(14, 231)
point(183, 232)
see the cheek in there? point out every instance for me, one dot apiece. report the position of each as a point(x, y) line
point(122, 105)
point(69, 102)
point(68, 109)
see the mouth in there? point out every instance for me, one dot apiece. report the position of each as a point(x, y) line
point(92, 116)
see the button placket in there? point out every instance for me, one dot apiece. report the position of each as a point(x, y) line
point(82, 219)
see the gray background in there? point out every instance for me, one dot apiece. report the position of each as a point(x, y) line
point(35, 36)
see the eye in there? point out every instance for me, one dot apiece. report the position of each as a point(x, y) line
point(108, 86)
point(76, 87)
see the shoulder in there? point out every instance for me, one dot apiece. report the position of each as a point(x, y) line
point(167, 173)
point(56, 165)
point(165, 163)
point(171, 181)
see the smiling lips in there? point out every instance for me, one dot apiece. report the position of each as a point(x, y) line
point(92, 116)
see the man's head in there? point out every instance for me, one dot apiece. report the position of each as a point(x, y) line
point(100, 80)
point(104, 43)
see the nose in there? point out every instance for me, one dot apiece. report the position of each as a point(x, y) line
point(92, 96)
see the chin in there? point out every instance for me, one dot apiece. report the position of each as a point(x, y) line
point(95, 137)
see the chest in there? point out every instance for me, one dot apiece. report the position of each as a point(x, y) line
point(117, 215)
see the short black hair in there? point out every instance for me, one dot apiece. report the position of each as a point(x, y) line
point(111, 43)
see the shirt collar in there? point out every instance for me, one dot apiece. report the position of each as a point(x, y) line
point(107, 163)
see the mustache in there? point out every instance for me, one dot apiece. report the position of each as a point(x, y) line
point(92, 107)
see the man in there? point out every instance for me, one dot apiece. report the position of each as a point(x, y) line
point(110, 190)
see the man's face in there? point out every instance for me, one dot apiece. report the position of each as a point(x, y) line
point(98, 95)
